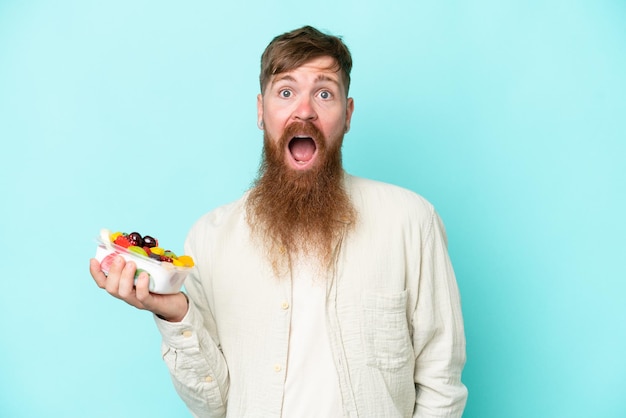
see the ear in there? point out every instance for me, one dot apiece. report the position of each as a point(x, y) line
point(349, 110)
point(259, 111)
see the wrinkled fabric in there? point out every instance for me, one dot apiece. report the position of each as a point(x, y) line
point(393, 315)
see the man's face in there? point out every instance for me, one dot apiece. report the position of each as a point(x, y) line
point(312, 94)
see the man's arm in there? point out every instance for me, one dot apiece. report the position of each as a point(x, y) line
point(438, 337)
point(196, 363)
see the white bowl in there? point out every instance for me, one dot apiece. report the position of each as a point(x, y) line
point(165, 278)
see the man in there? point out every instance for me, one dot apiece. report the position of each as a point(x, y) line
point(317, 294)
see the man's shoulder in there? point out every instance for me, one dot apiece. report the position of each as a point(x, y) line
point(370, 191)
point(222, 215)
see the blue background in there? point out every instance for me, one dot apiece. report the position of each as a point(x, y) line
point(140, 115)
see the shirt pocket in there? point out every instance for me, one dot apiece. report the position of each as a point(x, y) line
point(386, 330)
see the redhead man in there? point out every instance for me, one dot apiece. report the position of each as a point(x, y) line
point(317, 293)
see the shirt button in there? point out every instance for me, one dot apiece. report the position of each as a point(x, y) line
point(187, 334)
point(208, 379)
point(285, 305)
point(277, 368)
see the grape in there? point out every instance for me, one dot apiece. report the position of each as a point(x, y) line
point(150, 242)
point(135, 239)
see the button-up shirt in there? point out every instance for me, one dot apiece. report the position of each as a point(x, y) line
point(392, 309)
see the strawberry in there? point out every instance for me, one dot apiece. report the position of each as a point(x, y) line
point(122, 241)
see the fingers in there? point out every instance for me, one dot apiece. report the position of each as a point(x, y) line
point(112, 283)
point(120, 280)
point(96, 272)
point(142, 289)
point(126, 283)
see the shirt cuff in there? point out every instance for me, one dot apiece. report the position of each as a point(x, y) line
point(180, 334)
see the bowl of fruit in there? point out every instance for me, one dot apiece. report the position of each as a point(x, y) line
point(167, 271)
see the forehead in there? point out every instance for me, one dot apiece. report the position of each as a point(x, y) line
point(317, 69)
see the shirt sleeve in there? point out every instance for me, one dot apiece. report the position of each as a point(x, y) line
point(196, 364)
point(438, 331)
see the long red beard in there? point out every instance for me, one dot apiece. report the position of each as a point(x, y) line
point(299, 212)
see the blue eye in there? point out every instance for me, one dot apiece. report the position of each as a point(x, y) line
point(285, 93)
point(325, 94)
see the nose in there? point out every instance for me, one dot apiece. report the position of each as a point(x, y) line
point(305, 110)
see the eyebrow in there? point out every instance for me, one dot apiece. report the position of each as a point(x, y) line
point(324, 77)
point(318, 79)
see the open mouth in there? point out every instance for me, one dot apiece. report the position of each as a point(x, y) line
point(302, 149)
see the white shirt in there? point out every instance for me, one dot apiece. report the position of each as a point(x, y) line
point(392, 311)
point(312, 384)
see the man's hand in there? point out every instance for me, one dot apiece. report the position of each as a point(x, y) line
point(120, 282)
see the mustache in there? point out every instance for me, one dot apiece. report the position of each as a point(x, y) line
point(302, 129)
